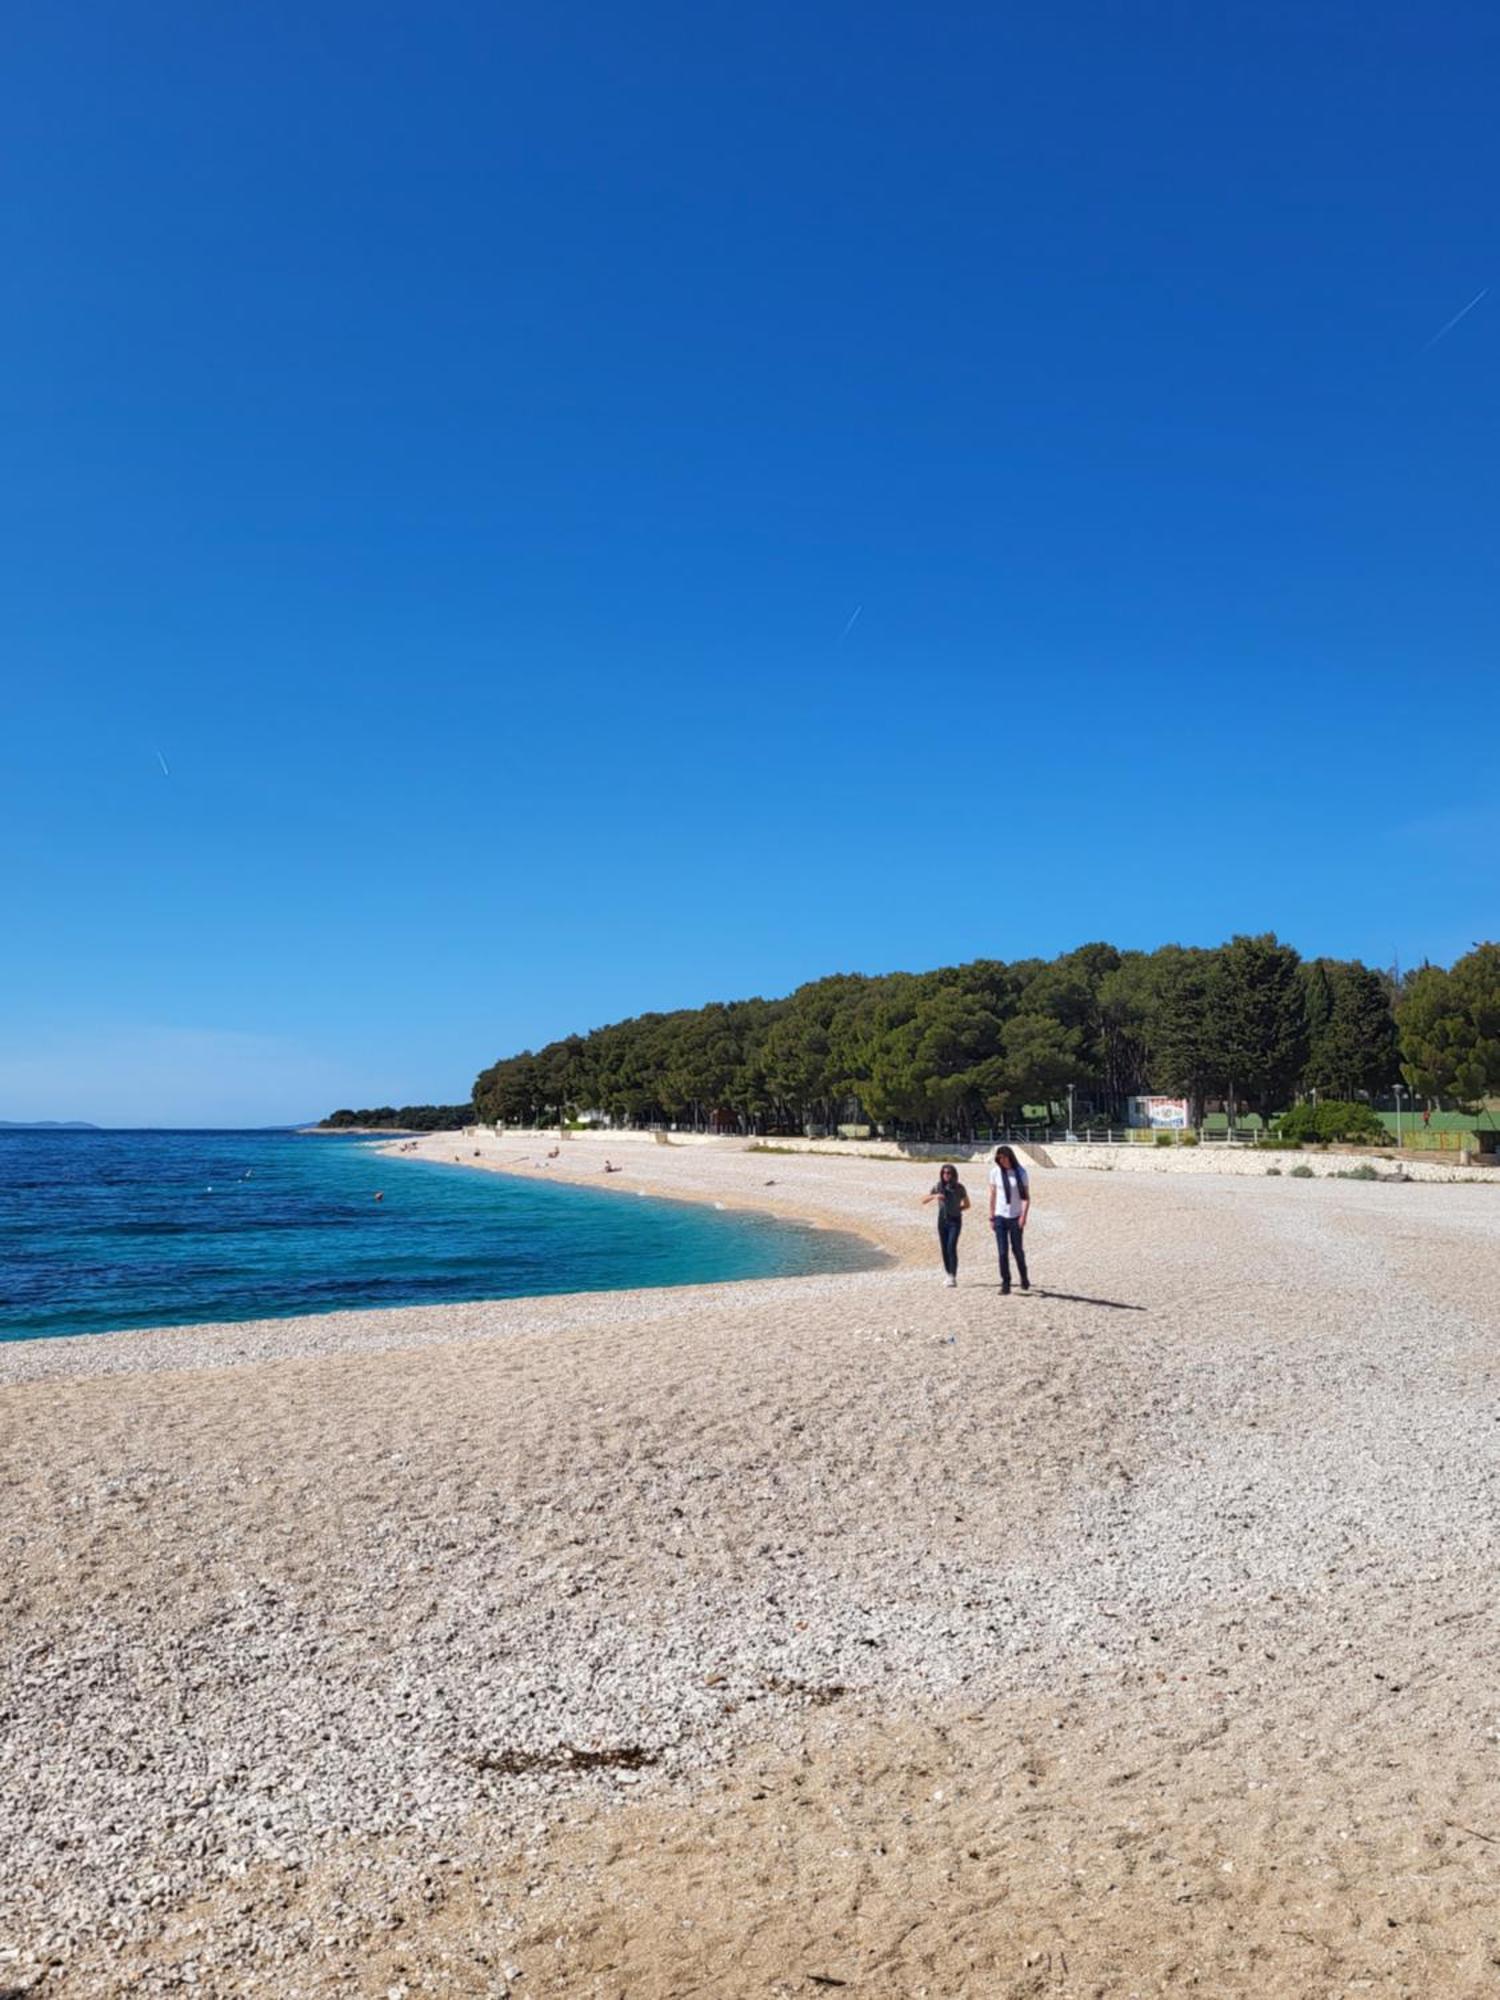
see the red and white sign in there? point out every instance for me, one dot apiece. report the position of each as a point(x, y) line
point(1162, 1114)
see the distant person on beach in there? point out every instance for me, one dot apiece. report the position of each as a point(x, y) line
point(1010, 1204)
point(610, 1167)
point(952, 1198)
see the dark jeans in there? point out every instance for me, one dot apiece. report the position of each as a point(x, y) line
point(1009, 1235)
point(948, 1228)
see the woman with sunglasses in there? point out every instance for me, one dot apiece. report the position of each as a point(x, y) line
point(952, 1198)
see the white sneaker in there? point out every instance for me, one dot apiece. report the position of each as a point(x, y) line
point(950, 1283)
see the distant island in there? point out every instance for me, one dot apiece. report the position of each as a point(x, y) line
point(406, 1118)
point(48, 1125)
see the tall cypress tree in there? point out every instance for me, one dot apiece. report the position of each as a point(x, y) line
point(1257, 1022)
point(1177, 1030)
point(1450, 1028)
point(1351, 1031)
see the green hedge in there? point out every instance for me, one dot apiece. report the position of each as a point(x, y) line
point(1334, 1122)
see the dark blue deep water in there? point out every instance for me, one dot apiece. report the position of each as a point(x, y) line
point(103, 1230)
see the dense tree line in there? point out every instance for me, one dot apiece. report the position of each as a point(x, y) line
point(949, 1052)
point(409, 1117)
point(1450, 1028)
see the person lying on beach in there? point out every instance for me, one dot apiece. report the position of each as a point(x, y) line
point(952, 1198)
point(610, 1167)
point(1010, 1204)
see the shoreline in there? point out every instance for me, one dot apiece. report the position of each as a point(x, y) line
point(355, 1132)
point(195, 1344)
point(580, 1163)
point(1146, 1621)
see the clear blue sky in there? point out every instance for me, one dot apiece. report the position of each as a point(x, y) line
point(456, 438)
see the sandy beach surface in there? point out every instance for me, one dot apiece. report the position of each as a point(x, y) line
point(839, 1634)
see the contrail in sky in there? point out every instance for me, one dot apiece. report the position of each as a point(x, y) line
point(1442, 330)
point(850, 626)
point(163, 762)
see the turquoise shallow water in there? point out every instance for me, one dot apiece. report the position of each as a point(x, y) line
point(105, 1230)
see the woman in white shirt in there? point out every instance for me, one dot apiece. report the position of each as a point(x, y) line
point(1010, 1204)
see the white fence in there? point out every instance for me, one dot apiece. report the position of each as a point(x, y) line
point(1132, 1135)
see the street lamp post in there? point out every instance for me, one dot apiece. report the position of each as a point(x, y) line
point(1400, 1088)
point(1070, 1110)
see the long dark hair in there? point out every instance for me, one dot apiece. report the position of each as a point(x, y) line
point(1006, 1161)
point(946, 1169)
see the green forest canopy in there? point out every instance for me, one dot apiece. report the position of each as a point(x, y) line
point(409, 1118)
point(948, 1051)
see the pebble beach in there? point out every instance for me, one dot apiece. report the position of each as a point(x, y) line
point(842, 1633)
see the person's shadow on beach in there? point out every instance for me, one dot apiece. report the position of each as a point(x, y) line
point(1081, 1299)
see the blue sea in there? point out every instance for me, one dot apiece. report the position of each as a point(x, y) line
point(105, 1230)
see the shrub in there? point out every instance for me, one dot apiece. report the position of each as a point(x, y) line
point(1272, 1172)
point(1187, 1138)
point(1301, 1172)
point(1363, 1172)
point(1163, 1138)
point(1334, 1122)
